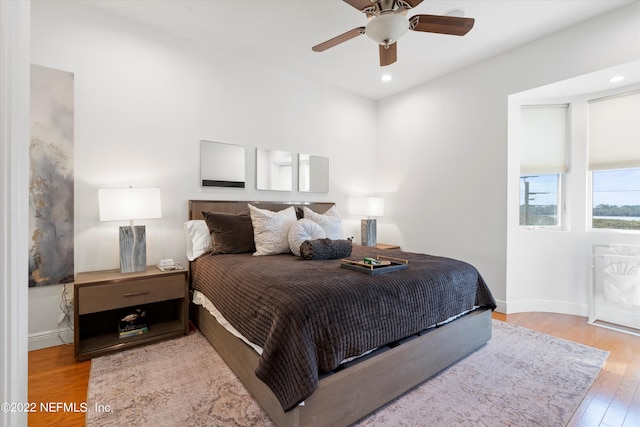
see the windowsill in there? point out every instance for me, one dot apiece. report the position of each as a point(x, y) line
point(541, 228)
point(613, 230)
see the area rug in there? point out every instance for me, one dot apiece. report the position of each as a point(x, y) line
point(520, 378)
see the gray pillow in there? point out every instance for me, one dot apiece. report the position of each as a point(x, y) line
point(325, 249)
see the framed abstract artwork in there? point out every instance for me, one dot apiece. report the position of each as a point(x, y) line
point(51, 252)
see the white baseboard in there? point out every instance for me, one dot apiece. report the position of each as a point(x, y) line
point(501, 306)
point(50, 338)
point(546, 306)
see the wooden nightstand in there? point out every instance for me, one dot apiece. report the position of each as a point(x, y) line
point(102, 297)
point(387, 246)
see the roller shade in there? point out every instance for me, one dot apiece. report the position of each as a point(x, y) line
point(544, 139)
point(614, 132)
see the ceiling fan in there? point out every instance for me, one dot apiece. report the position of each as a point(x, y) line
point(388, 22)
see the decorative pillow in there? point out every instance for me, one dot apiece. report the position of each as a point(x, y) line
point(197, 238)
point(330, 222)
point(271, 230)
point(230, 233)
point(325, 249)
point(303, 230)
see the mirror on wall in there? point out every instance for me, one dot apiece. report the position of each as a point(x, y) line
point(313, 173)
point(274, 170)
point(222, 165)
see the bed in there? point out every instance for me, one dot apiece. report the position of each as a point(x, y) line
point(316, 344)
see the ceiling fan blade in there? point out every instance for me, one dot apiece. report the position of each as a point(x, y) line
point(338, 39)
point(388, 54)
point(441, 24)
point(412, 3)
point(361, 5)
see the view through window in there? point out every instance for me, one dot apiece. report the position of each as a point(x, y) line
point(539, 200)
point(616, 199)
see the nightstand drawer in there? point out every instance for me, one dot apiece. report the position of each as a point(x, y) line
point(131, 293)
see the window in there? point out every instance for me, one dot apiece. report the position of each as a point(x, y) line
point(543, 160)
point(614, 161)
point(616, 199)
point(539, 198)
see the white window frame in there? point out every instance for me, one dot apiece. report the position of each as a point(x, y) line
point(631, 161)
point(559, 166)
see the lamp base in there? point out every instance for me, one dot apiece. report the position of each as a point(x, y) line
point(133, 249)
point(368, 232)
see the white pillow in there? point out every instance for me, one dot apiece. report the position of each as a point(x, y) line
point(330, 222)
point(303, 230)
point(197, 237)
point(271, 230)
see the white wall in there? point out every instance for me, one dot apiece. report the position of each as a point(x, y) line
point(144, 100)
point(443, 146)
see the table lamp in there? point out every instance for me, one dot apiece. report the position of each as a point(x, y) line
point(127, 204)
point(367, 206)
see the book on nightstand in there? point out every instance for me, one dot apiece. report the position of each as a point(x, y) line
point(125, 334)
point(133, 323)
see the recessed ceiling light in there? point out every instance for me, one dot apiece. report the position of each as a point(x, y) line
point(616, 79)
point(385, 78)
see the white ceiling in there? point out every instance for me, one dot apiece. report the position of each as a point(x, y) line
point(280, 33)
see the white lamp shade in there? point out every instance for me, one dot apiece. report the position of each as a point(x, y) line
point(366, 206)
point(129, 203)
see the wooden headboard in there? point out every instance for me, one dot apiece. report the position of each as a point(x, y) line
point(196, 207)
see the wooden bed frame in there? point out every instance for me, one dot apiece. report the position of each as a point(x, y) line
point(349, 394)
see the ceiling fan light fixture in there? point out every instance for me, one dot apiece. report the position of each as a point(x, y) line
point(387, 23)
point(385, 78)
point(387, 29)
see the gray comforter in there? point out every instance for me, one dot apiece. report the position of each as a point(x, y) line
point(308, 316)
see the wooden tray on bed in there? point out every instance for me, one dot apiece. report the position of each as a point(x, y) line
point(391, 264)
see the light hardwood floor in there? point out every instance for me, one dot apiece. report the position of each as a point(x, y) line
point(55, 376)
point(612, 401)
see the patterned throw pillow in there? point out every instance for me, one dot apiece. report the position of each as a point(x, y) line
point(271, 230)
point(329, 221)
